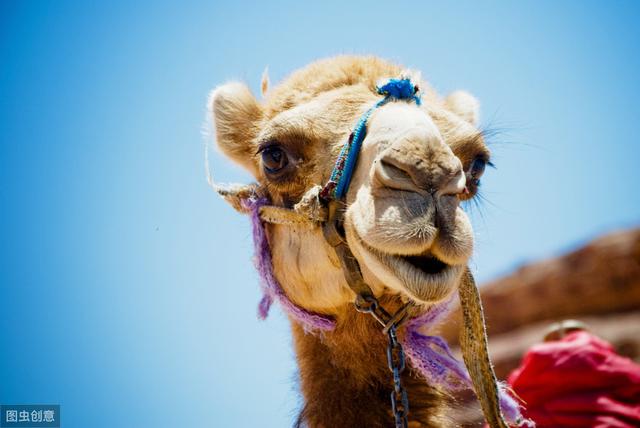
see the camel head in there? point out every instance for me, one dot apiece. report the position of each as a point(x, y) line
point(403, 220)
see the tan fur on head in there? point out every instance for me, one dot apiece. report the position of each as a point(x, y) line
point(236, 114)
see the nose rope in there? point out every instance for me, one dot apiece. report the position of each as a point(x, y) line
point(336, 187)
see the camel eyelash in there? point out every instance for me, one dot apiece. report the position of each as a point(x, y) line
point(266, 145)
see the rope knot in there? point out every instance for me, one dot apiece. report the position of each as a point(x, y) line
point(400, 89)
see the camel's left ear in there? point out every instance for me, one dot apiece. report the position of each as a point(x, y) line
point(236, 114)
point(464, 105)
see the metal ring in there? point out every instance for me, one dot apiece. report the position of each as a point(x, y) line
point(366, 303)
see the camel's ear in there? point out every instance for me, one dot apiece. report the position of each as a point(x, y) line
point(464, 105)
point(236, 115)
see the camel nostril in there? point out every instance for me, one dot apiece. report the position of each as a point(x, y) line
point(436, 178)
point(453, 184)
point(392, 175)
point(393, 170)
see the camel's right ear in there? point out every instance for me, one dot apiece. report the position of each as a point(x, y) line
point(464, 105)
point(236, 115)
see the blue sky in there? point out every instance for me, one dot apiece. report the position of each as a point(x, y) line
point(127, 294)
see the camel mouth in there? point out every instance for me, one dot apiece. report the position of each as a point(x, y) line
point(417, 271)
point(424, 277)
point(428, 263)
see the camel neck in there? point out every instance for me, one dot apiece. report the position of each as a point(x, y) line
point(345, 381)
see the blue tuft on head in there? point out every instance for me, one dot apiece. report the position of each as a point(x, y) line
point(401, 89)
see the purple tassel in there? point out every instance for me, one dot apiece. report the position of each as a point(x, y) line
point(271, 288)
point(264, 306)
point(432, 358)
point(430, 355)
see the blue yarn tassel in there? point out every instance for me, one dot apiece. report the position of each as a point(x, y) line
point(400, 89)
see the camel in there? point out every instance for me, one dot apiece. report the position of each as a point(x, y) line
point(401, 220)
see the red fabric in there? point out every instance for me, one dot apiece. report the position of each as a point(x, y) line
point(578, 381)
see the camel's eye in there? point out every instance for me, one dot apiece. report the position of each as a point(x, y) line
point(476, 170)
point(274, 159)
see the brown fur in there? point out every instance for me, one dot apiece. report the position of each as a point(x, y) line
point(346, 382)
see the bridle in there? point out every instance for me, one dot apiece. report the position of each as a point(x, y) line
point(324, 207)
point(367, 303)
